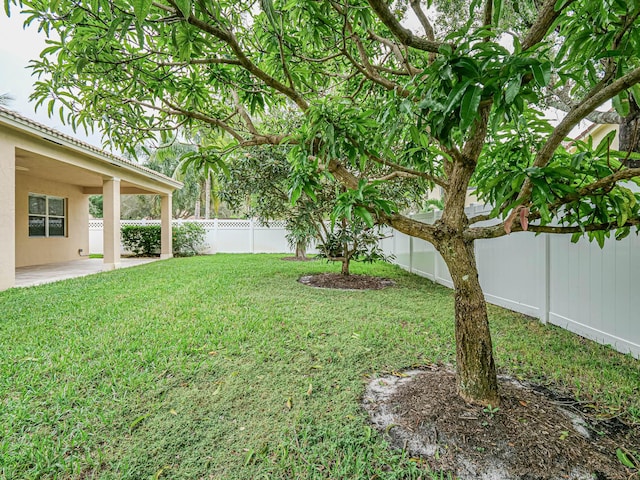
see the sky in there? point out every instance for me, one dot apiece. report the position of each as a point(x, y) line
point(18, 45)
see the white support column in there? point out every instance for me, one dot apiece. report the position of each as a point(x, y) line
point(111, 225)
point(166, 241)
point(7, 215)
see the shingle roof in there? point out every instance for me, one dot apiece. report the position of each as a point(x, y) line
point(26, 124)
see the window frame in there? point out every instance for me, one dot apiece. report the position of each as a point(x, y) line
point(46, 216)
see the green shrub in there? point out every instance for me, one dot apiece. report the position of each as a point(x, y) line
point(188, 239)
point(141, 240)
point(144, 240)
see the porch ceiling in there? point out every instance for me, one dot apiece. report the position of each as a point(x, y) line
point(35, 165)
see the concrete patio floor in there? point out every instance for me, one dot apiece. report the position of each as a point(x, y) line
point(53, 272)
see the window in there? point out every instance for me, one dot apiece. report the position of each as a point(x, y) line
point(47, 216)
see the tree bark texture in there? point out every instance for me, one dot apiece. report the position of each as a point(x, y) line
point(629, 133)
point(301, 250)
point(476, 372)
point(345, 267)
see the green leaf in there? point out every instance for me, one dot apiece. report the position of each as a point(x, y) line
point(635, 91)
point(455, 95)
point(141, 8)
point(364, 214)
point(184, 6)
point(445, 50)
point(599, 236)
point(267, 8)
point(540, 74)
point(512, 88)
point(497, 10)
point(605, 143)
point(469, 107)
point(467, 67)
point(295, 194)
point(82, 62)
point(621, 104)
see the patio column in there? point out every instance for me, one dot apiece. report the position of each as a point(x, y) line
point(7, 215)
point(111, 225)
point(166, 240)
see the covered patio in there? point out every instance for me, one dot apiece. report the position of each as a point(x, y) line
point(54, 272)
point(45, 180)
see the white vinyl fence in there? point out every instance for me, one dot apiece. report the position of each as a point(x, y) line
point(580, 287)
point(222, 236)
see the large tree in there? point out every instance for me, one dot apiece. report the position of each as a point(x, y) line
point(453, 106)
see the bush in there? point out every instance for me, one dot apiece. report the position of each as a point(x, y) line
point(144, 240)
point(188, 239)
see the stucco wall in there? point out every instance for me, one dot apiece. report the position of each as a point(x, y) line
point(7, 212)
point(38, 251)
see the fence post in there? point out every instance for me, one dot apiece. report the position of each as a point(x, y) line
point(215, 235)
point(545, 304)
point(411, 254)
point(251, 238)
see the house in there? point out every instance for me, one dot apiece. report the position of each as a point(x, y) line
point(45, 180)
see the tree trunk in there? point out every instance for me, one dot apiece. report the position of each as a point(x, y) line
point(301, 250)
point(629, 133)
point(345, 265)
point(207, 197)
point(196, 209)
point(476, 372)
point(346, 255)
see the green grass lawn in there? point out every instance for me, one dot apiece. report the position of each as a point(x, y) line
point(226, 367)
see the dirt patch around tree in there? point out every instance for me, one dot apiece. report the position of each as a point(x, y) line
point(346, 282)
point(299, 259)
point(534, 434)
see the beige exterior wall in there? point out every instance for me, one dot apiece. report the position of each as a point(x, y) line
point(38, 250)
point(598, 132)
point(7, 214)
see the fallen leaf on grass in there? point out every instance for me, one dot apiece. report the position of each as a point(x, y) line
point(173, 412)
point(289, 403)
point(135, 423)
point(159, 472)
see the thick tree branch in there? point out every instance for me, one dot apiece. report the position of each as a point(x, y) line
point(603, 118)
point(603, 184)
point(401, 223)
point(424, 21)
point(243, 113)
point(596, 97)
point(406, 37)
point(546, 16)
point(479, 218)
point(473, 146)
point(496, 231)
point(394, 175)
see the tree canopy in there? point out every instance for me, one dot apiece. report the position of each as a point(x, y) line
point(375, 98)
